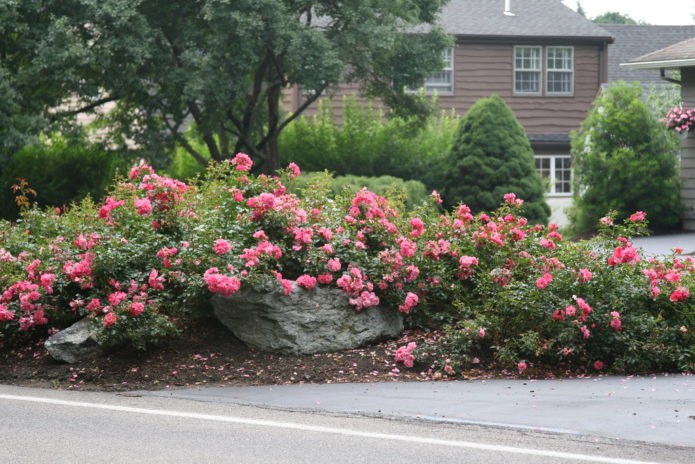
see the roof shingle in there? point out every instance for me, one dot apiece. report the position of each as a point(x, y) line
point(633, 41)
point(532, 18)
point(684, 50)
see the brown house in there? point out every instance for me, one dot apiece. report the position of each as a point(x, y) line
point(545, 60)
point(679, 56)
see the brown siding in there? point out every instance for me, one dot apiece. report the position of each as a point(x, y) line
point(483, 69)
point(688, 152)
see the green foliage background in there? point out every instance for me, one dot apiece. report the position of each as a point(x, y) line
point(61, 170)
point(366, 143)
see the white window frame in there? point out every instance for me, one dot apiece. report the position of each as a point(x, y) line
point(437, 88)
point(539, 70)
point(553, 178)
point(569, 70)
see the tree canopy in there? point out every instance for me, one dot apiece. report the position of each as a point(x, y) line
point(624, 159)
point(613, 17)
point(220, 66)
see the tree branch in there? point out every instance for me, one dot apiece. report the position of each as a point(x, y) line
point(182, 140)
point(89, 107)
point(301, 108)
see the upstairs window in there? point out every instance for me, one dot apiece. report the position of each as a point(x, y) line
point(527, 69)
point(557, 171)
point(560, 70)
point(441, 82)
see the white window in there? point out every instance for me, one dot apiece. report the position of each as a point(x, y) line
point(440, 82)
point(557, 171)
point(559, 70)
point(527, 69)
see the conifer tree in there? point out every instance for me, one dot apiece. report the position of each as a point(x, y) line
point(490, 157)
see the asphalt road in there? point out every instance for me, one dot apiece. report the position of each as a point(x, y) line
point(59, 427)
point(658, 408)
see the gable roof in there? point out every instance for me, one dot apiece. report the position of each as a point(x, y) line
point(635, 40)
point(532, 18)
point(677, 55)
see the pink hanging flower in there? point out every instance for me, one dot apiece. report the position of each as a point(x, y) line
point(522, 367)
point(598, 365)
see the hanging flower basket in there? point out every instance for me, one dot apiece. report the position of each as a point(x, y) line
point(680, 120)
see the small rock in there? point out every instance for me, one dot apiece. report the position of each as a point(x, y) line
point(74, 344)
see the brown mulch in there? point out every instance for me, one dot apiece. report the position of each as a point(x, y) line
point(209, 355)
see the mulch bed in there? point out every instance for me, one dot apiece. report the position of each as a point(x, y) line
point(210, 355)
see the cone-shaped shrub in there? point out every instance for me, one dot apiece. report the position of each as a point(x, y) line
point(492, 156)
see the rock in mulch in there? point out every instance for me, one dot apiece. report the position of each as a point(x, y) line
point(74, 344)
point(305, 322)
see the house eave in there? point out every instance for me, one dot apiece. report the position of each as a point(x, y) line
point(660, 64)
point(534, 38)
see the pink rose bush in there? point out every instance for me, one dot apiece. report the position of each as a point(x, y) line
point(496, 287)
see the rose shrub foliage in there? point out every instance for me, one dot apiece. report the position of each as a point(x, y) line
point(145, 261)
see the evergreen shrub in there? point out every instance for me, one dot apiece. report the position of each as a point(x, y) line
point(492, 156)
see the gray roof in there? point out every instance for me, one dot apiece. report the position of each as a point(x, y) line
point(684, 50)
point(532, 18)
point(633, 41)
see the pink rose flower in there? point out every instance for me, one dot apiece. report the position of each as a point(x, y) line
point(306, 281)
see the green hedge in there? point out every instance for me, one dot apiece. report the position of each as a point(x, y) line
point(410, 193)
point(367, 143)
point(60, 171)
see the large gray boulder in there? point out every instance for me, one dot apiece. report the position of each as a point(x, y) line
point(76, 343)
point(305, 322)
